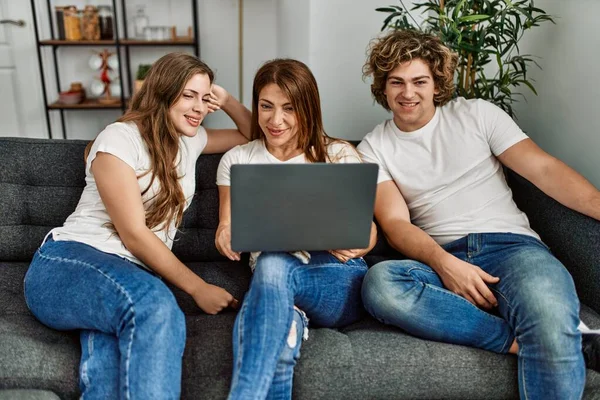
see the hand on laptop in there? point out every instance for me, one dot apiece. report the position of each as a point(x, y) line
point(223, 242)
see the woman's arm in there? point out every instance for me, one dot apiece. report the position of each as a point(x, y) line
point(223, 235)
point(221, 140)
point(119, 189)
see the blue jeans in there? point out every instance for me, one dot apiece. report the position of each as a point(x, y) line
point(132, 330)
point(537, 305)
point(268, 330)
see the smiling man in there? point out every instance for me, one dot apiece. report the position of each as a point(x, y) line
point(478, 275)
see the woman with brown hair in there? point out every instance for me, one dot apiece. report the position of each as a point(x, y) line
point(286, 128)
point(101, 271)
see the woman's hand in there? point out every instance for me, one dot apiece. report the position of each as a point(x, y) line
point(346, 255)
point(218, 98)
point(213, 299)
point(223, 242)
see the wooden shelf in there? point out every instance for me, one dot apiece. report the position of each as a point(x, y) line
point(77, 43)
point(88, 104)
point(136, 42)
point(122, 42)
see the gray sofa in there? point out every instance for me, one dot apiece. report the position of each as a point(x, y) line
point(40, 184)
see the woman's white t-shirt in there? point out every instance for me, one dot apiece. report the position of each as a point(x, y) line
point(88, 223)
point(255, 152)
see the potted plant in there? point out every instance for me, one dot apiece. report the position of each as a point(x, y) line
point(485, 34)
point(142, 71)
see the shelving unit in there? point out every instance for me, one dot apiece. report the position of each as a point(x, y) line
point(121, 44)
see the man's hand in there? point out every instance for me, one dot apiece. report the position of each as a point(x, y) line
point(223, 242)
point(213, 299)
point(468, 281)
point(218, 98)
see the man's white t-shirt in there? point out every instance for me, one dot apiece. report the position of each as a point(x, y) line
point(447, 171)
point(88, 223)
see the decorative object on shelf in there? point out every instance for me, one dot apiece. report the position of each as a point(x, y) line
point(156, 33)
point(106, 22)
point(142, 71)
point(108, 63)
point(90, 23)
point(60, 22)
point(75, 94)
point(72, 23)
point(140, 22)
point(482, 32)
point(185, 38)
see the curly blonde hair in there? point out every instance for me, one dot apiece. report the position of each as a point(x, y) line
point(400, 46)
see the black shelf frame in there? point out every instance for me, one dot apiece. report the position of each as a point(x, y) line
point(119, 46)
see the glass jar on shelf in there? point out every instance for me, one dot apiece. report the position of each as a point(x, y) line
point(72, 22)
point(140, 22)
point(106, 22)
point(60, 22)
point(90, 23)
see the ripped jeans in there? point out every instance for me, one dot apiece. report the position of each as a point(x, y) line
point(268, 330)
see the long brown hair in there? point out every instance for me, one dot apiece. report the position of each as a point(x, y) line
point(296, 80)
point(401, 46)
point(149, 110)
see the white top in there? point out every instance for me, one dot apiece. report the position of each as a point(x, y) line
point(447, 171)
point(256, 152)
point(87, 224)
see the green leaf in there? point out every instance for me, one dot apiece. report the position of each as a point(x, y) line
point(473, 18)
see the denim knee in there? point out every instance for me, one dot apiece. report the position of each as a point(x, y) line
point(383, 290)
point(547, 317)
point(272, 268)
point(157, 311)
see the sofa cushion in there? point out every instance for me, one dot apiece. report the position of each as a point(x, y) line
point(25, 394)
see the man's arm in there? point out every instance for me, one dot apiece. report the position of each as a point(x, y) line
point(458, 276)
point(553, 177)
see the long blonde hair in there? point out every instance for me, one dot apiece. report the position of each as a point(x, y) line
point(149, 110)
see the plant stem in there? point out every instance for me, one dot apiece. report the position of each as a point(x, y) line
point(410, 15)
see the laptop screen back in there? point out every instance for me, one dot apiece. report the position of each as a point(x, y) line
point(288, 207)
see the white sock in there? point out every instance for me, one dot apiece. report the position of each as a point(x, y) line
point(584, 328)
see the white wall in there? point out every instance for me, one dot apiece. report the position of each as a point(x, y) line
point(340, 33)
point(564, 118)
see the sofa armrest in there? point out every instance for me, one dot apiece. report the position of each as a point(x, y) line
point(573, 237)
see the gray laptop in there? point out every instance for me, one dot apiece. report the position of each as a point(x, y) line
point(287, 207)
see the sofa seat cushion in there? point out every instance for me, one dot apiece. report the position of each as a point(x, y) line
point(35, 357)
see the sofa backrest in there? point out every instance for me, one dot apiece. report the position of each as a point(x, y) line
point(41, 181)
